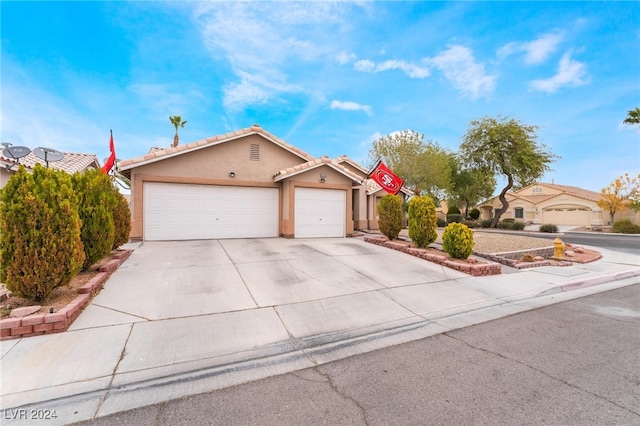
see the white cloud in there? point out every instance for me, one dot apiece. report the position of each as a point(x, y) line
point(350, 106)
point(344, 57)
point(570, 73)
point(260, 40)
point(412, 70)
point(536, 51)
point(460, 67)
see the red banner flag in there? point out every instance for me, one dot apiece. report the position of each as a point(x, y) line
point(386, 178)
point(112, 158)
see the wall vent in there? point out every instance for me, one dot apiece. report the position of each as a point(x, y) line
point(254, 152)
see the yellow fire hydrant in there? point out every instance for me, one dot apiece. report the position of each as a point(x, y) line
point(558, 248)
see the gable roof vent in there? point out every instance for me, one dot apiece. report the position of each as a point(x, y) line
point(254, 152)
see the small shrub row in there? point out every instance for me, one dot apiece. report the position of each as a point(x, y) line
point(512, 224)
point(548, 227)
point(625, 226)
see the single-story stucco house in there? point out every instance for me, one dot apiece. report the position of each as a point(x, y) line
point(71, 162)
point(547, 203)
point(246, 184)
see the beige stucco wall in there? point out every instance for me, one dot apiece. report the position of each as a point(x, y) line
point(213, 164)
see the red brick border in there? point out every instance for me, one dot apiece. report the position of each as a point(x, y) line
point(34, 325)
point(475, 269)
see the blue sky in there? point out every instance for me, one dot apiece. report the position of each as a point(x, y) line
point(326, 77)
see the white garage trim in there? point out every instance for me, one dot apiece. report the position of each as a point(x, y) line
point(320, 213)
point(201, 212)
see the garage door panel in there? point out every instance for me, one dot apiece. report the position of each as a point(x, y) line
point(319, 213)
point(187, 212)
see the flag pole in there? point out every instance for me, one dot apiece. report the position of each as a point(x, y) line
point(375, 166)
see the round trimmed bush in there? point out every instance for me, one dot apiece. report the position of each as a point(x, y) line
point(474, 214)
point(457, 240)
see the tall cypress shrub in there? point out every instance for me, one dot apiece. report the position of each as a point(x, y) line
point(390, 216)
point(121, 220)
point(40, 245)
point(423, 222)
point(97, 202)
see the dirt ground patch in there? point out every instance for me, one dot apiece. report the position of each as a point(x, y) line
point(59, 297)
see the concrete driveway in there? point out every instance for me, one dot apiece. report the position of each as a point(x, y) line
point(166, 280)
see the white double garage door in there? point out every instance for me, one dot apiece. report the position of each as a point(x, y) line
point(200, 212)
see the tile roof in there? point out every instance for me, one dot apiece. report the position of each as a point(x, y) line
point(373, 187)
point(316, 162)
point(574, 190)
point(345, 159)
point(71, 162)
point(160, 154)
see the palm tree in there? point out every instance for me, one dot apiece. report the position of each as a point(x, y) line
point(176, 120)
point(633, 116)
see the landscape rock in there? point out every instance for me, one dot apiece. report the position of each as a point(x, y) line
point(24, 311)
point(570, 253)
point(538, 258)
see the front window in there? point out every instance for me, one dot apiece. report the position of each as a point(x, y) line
point(519, 213)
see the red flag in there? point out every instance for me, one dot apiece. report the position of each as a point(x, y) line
point(386, 178)
point(112, 158)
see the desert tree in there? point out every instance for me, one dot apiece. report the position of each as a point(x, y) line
point(505, 146)
point(423, 165)
point(624, 191)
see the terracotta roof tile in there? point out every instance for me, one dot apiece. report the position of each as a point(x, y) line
point(212, 141)
point(71, 162)
point(316, 162)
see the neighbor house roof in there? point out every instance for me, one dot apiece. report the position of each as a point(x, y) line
point(564, 189)
point(315, 163)
point(71, 162)
point(161, 154)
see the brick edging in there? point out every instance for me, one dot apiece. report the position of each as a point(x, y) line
point(474, 269)
point(35, 325)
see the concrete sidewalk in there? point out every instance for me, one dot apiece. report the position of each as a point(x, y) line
point(178, 319)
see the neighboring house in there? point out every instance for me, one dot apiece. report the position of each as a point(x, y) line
point(70, 163)
point(545, 203)
point(245, 184)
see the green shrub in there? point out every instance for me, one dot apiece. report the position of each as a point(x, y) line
point(509, 220)
point(625, 226)
point(505, 225)
point(441, 222)
point(390, 216)
point(453, 210)
point(457, 240)
point(518, 226)
point(486, 223)
point(422, 221)
point(548, 227)
point(471, 223)
point(454, 217)
point(121, 221)
point(474, 214)
point(40, 244)
point(97, 201)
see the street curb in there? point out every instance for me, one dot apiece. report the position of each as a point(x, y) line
point(589, 282)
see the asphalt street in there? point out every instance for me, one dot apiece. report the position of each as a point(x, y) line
point(572, 363)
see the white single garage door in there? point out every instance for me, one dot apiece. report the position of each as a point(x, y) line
point(203, 212)
point(320, 213)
